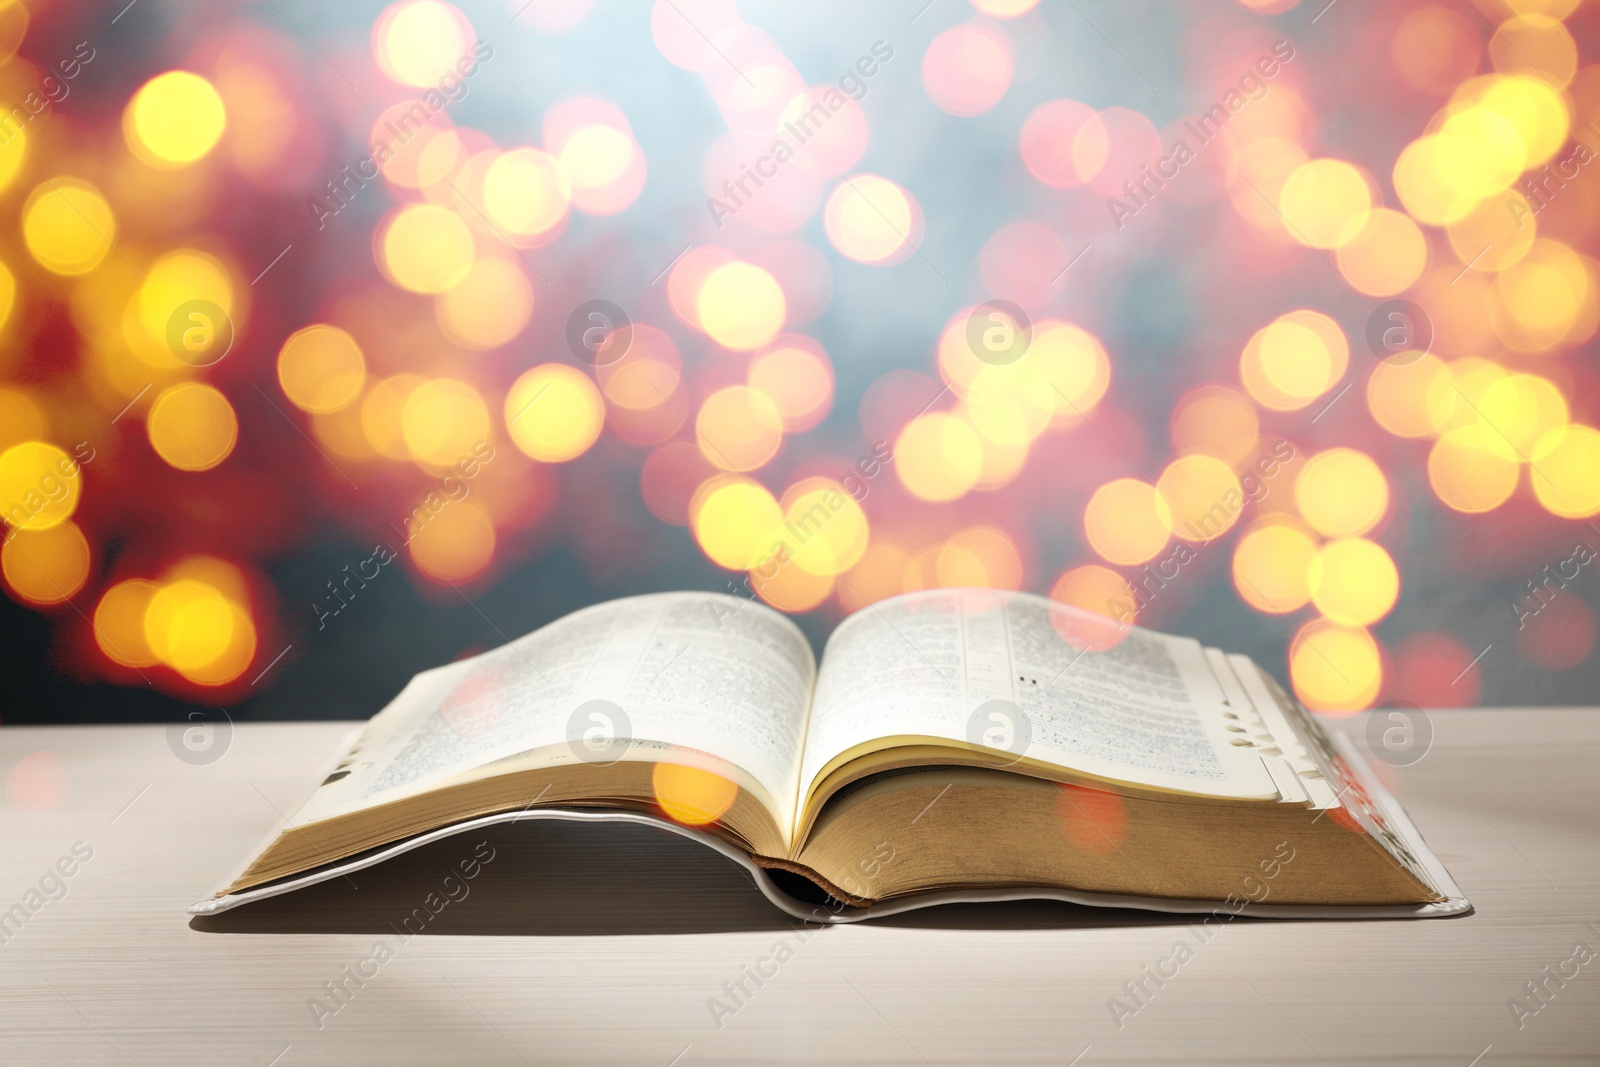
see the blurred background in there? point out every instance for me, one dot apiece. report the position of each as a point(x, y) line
point(338, 341)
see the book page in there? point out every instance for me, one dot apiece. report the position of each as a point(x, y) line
point(629, 679)
point(993, 668)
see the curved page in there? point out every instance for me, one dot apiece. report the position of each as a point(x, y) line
point(1001, 670)
point(700, 671)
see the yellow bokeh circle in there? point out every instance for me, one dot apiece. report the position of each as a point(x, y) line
point(694, 796)
point(119, 622)
point(195, 287)
point(321, 368)
point(456, 545)
point(1397, 394)
point(192, 426)
point(1341, 492)
point(1535, 45)
point(488, 307)
point(1203, 496)
point(825, 528)
point(870, 219)
point(1566, 471)
point(174, 119)
point(67, 225)
point(1335, 668)
point(442, 420)
point(426, 248)
point(554, 413)
point(1537, 110)
point(39, 485)
point(419, 43)
point(738, 428)
point(1469, 470)
point(741, 306)
point(1385, 256)
point(46, 566)
point(1293, 360)
point(1325, 202)
point(1127, 521)
point(1217, 421)
point(1353, 581)
point(737, 523)
point(1012, 404)
point(1270, 566)
point(526, 193)
point(189, 624)
point(938, 457)
point(1522, 409)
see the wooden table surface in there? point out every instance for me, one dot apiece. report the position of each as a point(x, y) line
point(579, 944)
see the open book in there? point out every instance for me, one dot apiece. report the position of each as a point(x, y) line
point(950, 745)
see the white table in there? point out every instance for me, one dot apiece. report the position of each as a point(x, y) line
point(604, 944)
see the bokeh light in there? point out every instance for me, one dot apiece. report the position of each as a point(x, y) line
point(741, 306)
point(1435, 48)
point(1272, 564)
point(554, 413)
point(380, 414)
point(174, 119)
point(826, 529)
point(1063, 143)
point(1397, 394)
point(455, 545)
point(443, 420)
point(1341, 492)
point(40, 485)
point(1386, 255)
point(321, 368)
point(979, 557)
point(46, 566)
point(967, 69)
point(872, 220)
point(1216, 421)
point(1561, 635)
point(938, 457)
point(1103, 606)
point(1127, 521)
point(191, 625)
point(526, 194)
point(1092, 820)
point(1469, 471)
point(1325, 203)
point(190, 289)
point(419, 42)
point(796, 376)
point(119, 622)
point(192, 426)
point(491, 304)
point(426, 249)
point(738, 428)
point(1202, 495)
point(1535, 44)
point(1335, 668)
point(1293, 360)
point(68, 226)
point(37, 782)
point(1353, 581)
point(692, 795)
point(736, 522)
point(1566, 471)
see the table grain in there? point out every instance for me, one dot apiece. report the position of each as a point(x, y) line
point(615, 944)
